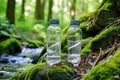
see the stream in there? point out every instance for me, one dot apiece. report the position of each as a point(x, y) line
point(10, 65)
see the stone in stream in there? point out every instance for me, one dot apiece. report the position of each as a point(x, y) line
point(5, 73)
point(4, 60)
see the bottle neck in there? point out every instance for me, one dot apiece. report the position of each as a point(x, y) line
point(55, 25)
point(74, 26)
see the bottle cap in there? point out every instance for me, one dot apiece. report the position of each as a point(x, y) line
point(74, 22)
point(54, 21)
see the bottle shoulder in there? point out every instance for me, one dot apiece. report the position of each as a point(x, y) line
point(53, 27)
point(74, 30)
point(53, 30)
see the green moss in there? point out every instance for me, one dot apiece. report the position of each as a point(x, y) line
point(10, 46)
point(65, 48)
point(34, 43)
point(107, 70)
point(60, 73)
point(102, 40)
point(65, 29)
point(107, 4)
point(85, 17)
point(64, 44)
point(83, 26)
point(104, 17)
point(42, 71)
point(86, 41)
point(64, 56)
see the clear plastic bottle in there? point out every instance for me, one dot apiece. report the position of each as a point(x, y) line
point(74, 37)
point(53, 42)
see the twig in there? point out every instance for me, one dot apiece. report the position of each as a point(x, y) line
point(111, 51)
point(98, 58)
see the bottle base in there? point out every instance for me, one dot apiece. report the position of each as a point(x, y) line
point(53, 60)
point(74, 58)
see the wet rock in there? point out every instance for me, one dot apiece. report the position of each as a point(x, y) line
point(4, 60)
point(5, 73)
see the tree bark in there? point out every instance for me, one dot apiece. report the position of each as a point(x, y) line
point(39, 9)
point(22, 17)
point(72, 9)
point(10, 13)
point(50, 9)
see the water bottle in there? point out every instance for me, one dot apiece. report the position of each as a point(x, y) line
point(53, 42)
point(74, 36)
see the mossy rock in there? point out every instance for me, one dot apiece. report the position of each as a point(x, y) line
point(104, 17)
point(101, 19)
point(105, 14)
point(42, 71)
point(34, 43)
point(10, 46)
point(103, 40)
point(107, 70)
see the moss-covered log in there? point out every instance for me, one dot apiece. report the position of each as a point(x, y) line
point(42, 71)
point(103, 40)
point(105, 70)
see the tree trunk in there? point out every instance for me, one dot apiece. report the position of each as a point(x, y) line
point(39, 9)
point(72, 9)
point(22, 17)
point(50, 9)
point(10, 13)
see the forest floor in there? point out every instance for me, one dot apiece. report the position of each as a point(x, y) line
point(89, 62)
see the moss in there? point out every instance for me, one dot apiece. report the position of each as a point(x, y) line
point(64, 43)
point(34, 43)
point(107, 4)
point(98, 20)
point(85, 17)
point(42, 71)
point(10, 46)
point(104, 17)
point(64, 56)
point(102, 40)
point(83, 26)
point(86, 41)
point(105, 71)
point(101, 19)
point(65, 48)
point(65, 29)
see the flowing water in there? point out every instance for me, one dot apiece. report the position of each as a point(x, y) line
point(10, 65)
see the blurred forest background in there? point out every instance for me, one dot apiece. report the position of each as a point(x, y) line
point(23, 25)
point(29, 18)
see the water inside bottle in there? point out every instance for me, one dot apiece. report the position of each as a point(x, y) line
point(53, 52)
point(74, 52)
point(53, 60)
